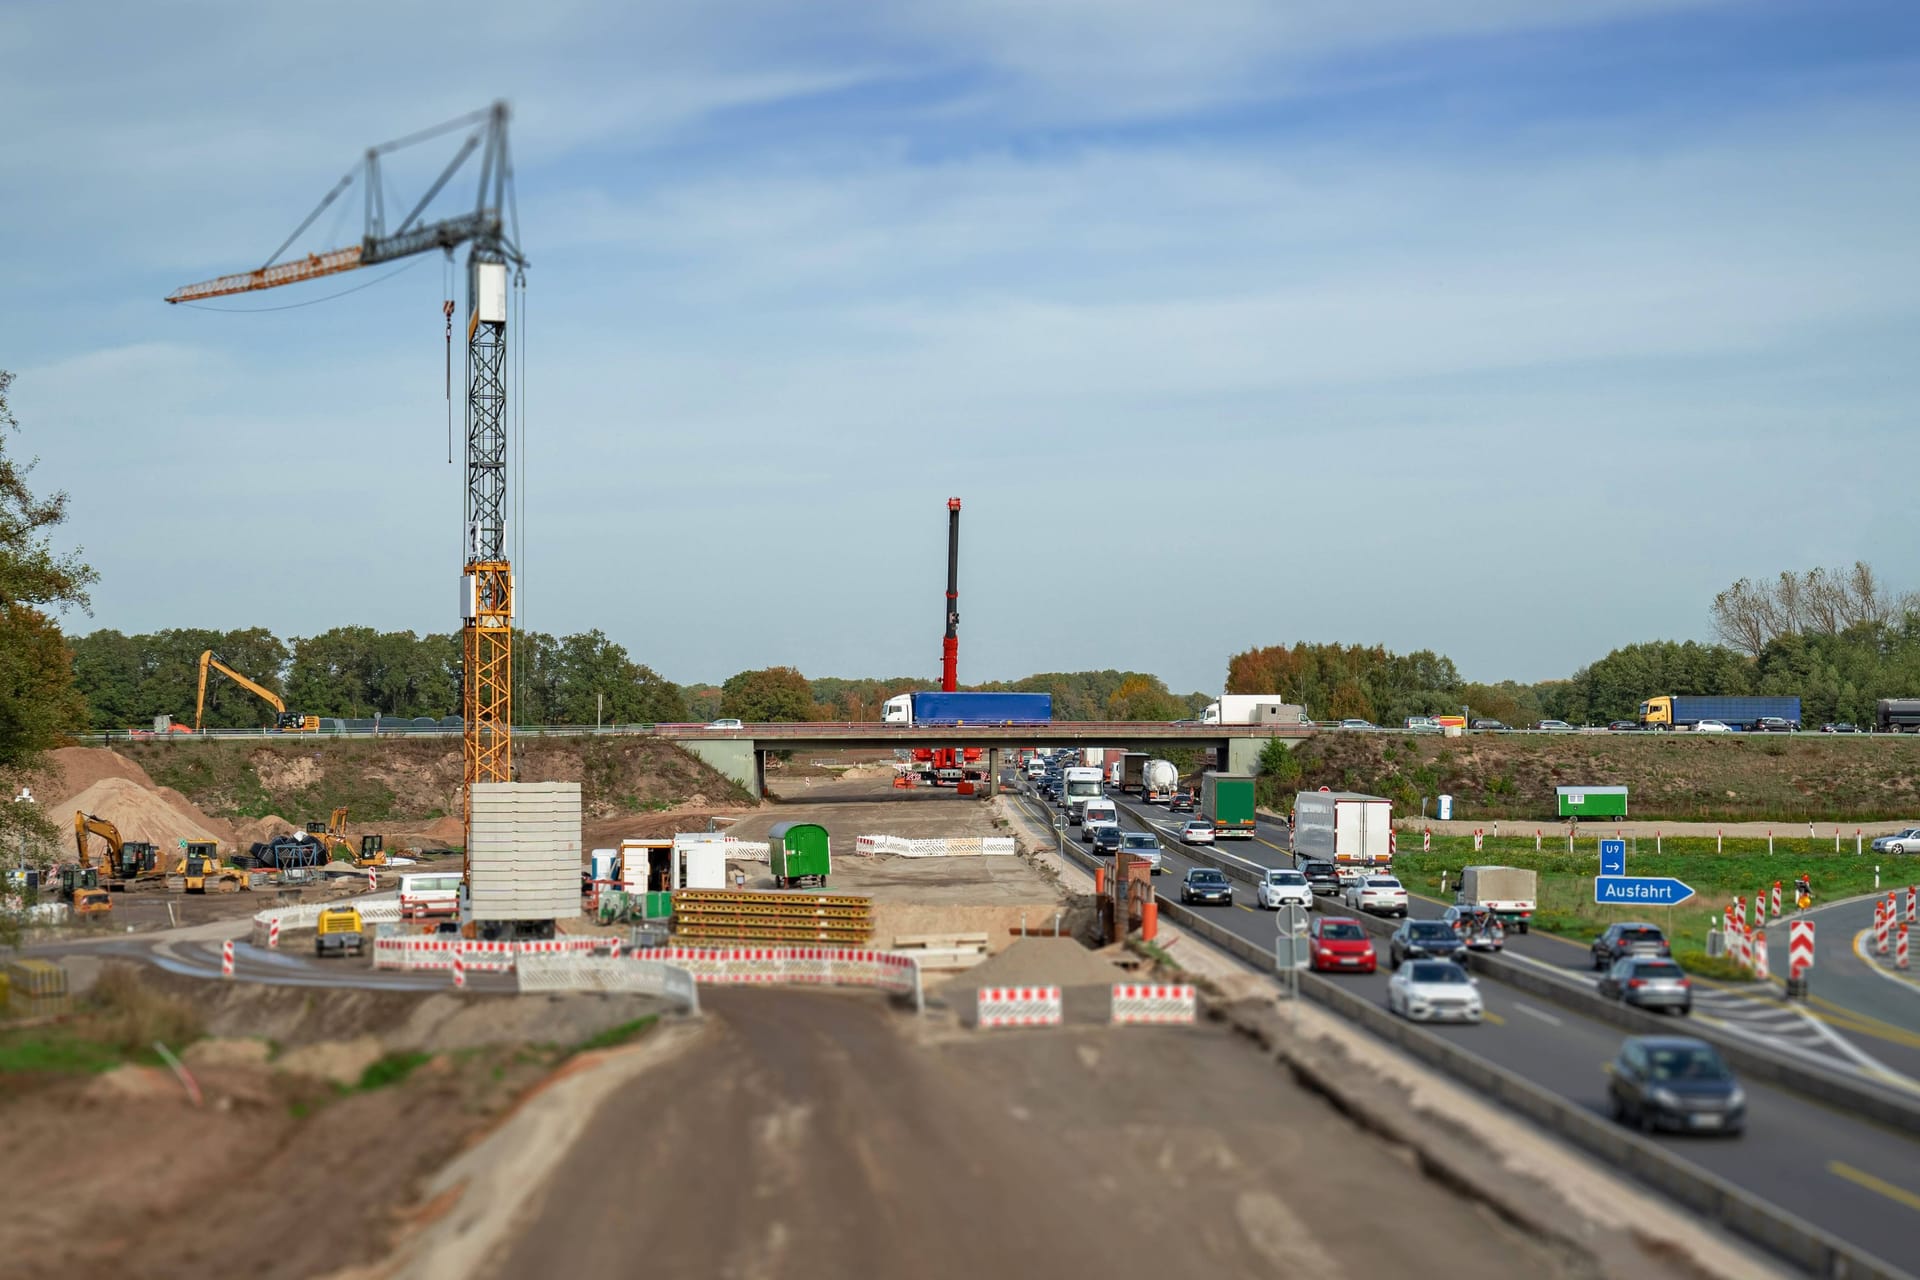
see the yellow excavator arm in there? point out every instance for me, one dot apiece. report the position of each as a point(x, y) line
point(207, 659)
point(85, 824)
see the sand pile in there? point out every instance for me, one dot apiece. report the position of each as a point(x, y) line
point(144, 814)
point(1048, 962)
point(74, 769)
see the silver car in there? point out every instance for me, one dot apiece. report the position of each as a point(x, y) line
point(1907, 841)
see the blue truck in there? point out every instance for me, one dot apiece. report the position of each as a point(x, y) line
point(968, 708)
point(1669, 712)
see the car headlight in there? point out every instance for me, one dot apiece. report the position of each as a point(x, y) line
point(1666, 1097)
point(1738, 1098)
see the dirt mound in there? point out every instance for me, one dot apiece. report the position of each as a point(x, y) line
point(160, 817)
point(71, 770)
point(1048, 962)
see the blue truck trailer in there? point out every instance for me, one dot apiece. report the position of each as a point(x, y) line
point(969, 708)
point(1671, 712)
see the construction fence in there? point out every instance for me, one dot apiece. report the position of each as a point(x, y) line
point(954, 847)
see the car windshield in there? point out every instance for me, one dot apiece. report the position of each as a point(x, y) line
point(1285, 877)
point(1428, 929)
point(1342, 931)
point(1199, 876)
point(1438, 971)
point(1686, 1063)
point(1139, 840)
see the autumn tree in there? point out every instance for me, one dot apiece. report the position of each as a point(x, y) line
point(1749, 616)
point(767, 695)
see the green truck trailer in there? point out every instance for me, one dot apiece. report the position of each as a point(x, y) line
point(1226, 800)
point(1592, 802)
point(800, 853)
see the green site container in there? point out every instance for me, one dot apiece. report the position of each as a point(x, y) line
point(801, 853)
point(1592, 802)
point(659, 905)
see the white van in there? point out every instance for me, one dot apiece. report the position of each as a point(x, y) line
point(429, 893)
point(1093, 814)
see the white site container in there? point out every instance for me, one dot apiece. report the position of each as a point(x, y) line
point(699, 860)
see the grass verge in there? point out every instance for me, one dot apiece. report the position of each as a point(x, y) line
point(615, 1036)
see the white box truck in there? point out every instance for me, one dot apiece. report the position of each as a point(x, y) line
point(1508, 892)
point(1253, 708)
point(1352, 831)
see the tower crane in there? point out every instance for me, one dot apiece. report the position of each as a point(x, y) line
point(487, 576)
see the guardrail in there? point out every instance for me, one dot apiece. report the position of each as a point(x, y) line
point(1739, 1211)
point(608, 973)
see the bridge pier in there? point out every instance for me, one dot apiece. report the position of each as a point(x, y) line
point(1242, 755)
point(740, 759)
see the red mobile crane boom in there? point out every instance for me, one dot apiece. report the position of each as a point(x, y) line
point(950, 647)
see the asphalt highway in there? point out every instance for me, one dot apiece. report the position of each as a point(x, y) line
point(1848, 1176)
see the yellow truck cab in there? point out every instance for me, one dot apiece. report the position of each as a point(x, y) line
point(339, 929)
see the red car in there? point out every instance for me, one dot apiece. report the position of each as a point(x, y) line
point(1340, 944)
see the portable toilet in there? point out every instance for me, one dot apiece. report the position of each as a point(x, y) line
point(800, 853)
point(604, 861)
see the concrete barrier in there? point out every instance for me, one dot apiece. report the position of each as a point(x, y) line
point(1739, 1211)
point(607, 973)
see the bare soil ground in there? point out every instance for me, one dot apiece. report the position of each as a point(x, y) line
point(816, 1134)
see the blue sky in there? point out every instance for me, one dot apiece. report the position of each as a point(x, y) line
point(1509, 329)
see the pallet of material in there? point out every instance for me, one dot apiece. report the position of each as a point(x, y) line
point(742, 897)
point(796, 931)
point(771, 912)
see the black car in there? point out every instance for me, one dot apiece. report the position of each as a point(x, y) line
point(1774, 724)
point(1488, 725)
point(1106, 839)
point(1322, 876)
point(1673, 1082)
point(1628, 938)
point(1182, 802)
point(1204, 884)
point(1839, 726)
point(1425, 940)
point(1623, 726)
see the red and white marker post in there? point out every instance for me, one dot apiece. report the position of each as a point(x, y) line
point(1900, 947)
point(273, 933)
point(1760, 955)
point(459, 966)
point(226, 958)
point(1776, 899)
point(1799, 949)
point(1880, 926)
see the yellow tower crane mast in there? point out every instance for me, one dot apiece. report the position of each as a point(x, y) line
point(487, 575)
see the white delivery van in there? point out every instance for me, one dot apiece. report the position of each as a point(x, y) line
point(1095, 812)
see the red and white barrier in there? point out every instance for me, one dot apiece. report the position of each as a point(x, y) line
point(1479, 840)
point(226, 958)
point(1759, 910)
point(1900, 947)
point(459, 967)
point(1799, 948)
point(1426, 840)
point(273, 934)
point(1911, 891)
point(373, 880)
point(1776, 900)
point(1760, 970)
point(1880, 926)
point(826, 966)
point(1019, 1007)
point(955, 847)
point(1138, 1003)
point(1743, 947)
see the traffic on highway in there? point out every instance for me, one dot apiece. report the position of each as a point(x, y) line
point(1839, 1171)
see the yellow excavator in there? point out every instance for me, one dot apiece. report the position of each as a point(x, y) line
point(126, 860)
point(284, 720)
point(200, 868)
point(333, 832)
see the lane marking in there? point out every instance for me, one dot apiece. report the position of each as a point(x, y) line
point(1532, 1012)
point(1488, 1015)
point(1880, 1186)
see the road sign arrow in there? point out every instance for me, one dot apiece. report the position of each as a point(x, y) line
point(1640, 891)
point(1613, 857)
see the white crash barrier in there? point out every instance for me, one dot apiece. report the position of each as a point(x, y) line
point(947, 847)
point(384, 911)
point(748, 850)
point(606, 973)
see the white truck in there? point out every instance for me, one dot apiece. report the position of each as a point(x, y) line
point(1510, 893)
point(1158, 779)
point(1077, 786)
point(1094, 813)
point(1253, 708)
point(1352, 831)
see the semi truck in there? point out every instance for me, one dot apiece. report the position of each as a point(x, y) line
point(1078, 785)
point(1669, 711)
point(1131, 766)
point(1226, 800)
point(1158, 780)
point(1508, 892)
point(968, 708)
point(1253, 708)
point(1897, 715)
point(1345, 828)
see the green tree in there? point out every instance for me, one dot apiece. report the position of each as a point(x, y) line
point(39, 704)
point(767, 695)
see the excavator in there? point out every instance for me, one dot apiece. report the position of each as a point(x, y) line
point(200, 868)
point(126, 860)
point(284, 720)
point(372, 851)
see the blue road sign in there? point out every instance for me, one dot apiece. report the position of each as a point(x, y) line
point(1639, 891)
point(1613, 857)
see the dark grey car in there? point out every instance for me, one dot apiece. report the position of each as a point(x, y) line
point(1649, 983)
point(1204, 884)
point(1628, 938)
point(1425, 940)
point(1323, 877)
point(1673, 1082)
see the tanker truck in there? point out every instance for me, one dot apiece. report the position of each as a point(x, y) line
point(1158, 780)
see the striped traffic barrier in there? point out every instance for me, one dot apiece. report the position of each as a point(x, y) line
point(1740, 914)
point(1136, 1003)
point(1759, 910)
point(273, 933)
point(1799, 949)
point(1426, 840)
point(226, 958)
point(1479, 840)
point(1760, 955)
point(373, 880)
point(1019, 1007)
point(1776, 900)
point(1910, 903)
point(459, 966)
point(1900, 947)
point(1880, 926)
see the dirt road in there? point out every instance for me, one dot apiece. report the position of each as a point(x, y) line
point(810, 1137)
